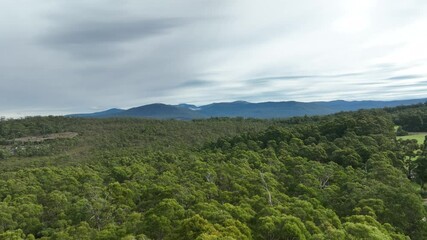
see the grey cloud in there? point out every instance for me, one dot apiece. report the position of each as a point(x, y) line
point(297, 77)
point(267, 80)
point(320, 76)
point(82, 54)
point(107, 31)
point(405, 77)
point(352, 74)
point(367, 83)
point(388, 68)
point(98, 38)
point(368, 74)
point(404, 86)
point(397, 87)
point(195, 83)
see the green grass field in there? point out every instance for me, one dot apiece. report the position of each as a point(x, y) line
point(419, 136)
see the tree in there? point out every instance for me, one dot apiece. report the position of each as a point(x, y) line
point(161, 221)
point(421, 171)
point(401, 132)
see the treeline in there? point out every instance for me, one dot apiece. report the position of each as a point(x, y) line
point(342, 176)
point(10, 129)
point(98, 134)
point(411, 118)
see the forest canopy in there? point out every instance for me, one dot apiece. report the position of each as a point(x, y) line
point(342, 176)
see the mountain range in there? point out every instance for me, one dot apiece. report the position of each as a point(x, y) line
point(245, 109)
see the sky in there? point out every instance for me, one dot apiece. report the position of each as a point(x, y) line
point(62, 56)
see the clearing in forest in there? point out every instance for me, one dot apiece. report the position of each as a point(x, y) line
point(419, 136)
point(52, 136)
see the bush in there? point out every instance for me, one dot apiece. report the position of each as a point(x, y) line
point(401, 132)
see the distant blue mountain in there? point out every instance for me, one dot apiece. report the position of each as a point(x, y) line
point(107, 113)
point(246, 109)
point(264, 109)
point(160, 111)
point(188, 106)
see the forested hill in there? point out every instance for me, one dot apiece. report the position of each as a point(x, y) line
point(261, 110)
point(342, 176)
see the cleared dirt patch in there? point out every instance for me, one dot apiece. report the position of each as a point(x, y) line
point(52, 136)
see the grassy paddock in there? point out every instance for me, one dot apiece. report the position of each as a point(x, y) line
point(419, 136)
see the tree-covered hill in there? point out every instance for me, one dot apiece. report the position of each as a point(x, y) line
point(262, 110)
point(343, 176)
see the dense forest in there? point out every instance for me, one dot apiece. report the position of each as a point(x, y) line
point(341, 176)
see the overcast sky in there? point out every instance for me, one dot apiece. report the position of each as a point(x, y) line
point(63, 56)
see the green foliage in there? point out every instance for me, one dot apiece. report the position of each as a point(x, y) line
point(343, 176)
point(401, 132)
point(411, 118)
point(418, 137)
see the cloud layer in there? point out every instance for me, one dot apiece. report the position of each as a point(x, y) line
point(71, 56)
